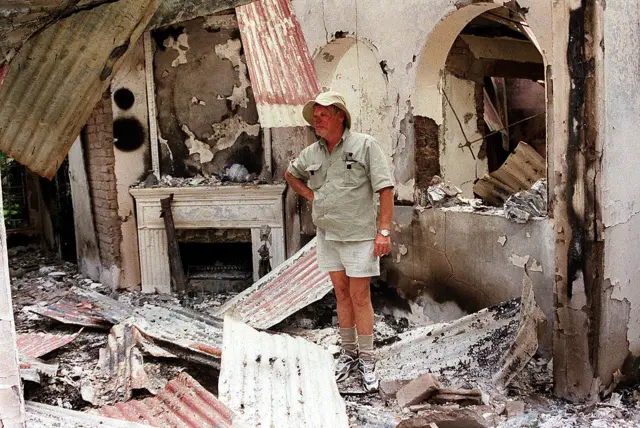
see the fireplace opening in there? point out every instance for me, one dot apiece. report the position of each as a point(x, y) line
point(216, 260)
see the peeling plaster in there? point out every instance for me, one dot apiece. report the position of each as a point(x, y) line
point(227, 132)
point(196, 146)
point(404, 191)
point(231, 51)
point(519, 261)
point(536, 267)
point(165, 143)
point(181, 46)
point(502, 240)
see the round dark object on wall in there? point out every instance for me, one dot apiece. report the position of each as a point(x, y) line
point(128, 134)
point(124, 98)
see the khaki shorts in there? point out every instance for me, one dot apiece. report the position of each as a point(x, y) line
point(356, 258)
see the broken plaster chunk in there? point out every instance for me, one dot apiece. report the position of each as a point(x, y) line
point(194, 100)
point(535, 266)
point(403, 249)
point(418, 390)
point(528, 235)
point(432, 230)
point(502, 240)
point(519, 261)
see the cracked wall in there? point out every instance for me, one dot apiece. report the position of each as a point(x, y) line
point(472, 260)
point(207, 117)
point(412, 83)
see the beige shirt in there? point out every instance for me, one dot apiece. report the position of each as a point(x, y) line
point(343, 185)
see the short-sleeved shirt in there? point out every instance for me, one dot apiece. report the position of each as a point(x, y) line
point(343, 185)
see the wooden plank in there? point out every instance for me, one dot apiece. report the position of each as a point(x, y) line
point(178, 278)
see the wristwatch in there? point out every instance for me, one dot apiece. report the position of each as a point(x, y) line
point(384, 232)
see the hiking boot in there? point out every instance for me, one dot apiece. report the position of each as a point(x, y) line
point(347, 364)
point(367, 368)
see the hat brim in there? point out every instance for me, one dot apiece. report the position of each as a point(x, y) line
point(307, 111)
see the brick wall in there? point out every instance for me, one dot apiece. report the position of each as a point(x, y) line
point(100, 162)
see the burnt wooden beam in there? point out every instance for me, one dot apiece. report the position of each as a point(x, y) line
point(178, 279)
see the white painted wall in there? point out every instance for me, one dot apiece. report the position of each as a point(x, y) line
point(459, 163)
point(621, 157)
point(87, 248)
point(353, 69)
point(130, 167)
point(398, 31)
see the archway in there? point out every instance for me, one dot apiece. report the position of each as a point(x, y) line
point(480, 90)
point(352, 67)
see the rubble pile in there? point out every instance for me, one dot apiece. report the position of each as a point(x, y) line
point(232, 175)
point(138, 352)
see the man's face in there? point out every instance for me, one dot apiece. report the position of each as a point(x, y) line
point(327, 120)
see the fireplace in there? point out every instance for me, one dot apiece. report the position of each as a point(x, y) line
point(216, 260)
point(257, 209)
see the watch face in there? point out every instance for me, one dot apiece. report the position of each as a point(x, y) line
point(385, 232)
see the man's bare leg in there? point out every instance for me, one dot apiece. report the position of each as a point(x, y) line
point(347, 363)
point(340, 280)
point(360, 292)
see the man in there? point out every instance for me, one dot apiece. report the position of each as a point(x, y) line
point(339, 175)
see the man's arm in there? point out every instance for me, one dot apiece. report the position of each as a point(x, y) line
point(302, 189)
point(383, 243)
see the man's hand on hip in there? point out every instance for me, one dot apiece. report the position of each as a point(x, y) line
point(382, 245)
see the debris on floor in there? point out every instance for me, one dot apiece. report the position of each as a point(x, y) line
point(120, 369)
point(179, 337)
point(530, 333)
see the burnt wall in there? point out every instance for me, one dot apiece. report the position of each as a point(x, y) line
point(427, 151)
point(207, 115)
point(468, 259)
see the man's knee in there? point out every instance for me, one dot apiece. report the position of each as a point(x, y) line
point(360, 296)
point(340, 285)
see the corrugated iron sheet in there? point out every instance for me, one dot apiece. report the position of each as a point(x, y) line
point(183, 332)
point(282, 74)
point(519, 172)
point(277, 380)
point(58, 76)
point(86, 308)
point(470, 347)
point(44, 416)
point(36, 345)
point(183, 403)
point(290, 287)
point(120, 368)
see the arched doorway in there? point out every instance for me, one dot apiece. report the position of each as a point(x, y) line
point(480, 90)
point(352, 67)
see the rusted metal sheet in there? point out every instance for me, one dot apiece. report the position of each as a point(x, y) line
point(290, 287)
point(519, 172)
point(282, 74)
point(276, 380)
point(57, 77)
point(86, 308)
point(120, 368)
point(183, 332)
point(183, 403)
point(36, 345)
point(45, 416)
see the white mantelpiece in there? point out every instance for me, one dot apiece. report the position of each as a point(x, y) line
point(221, 207)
